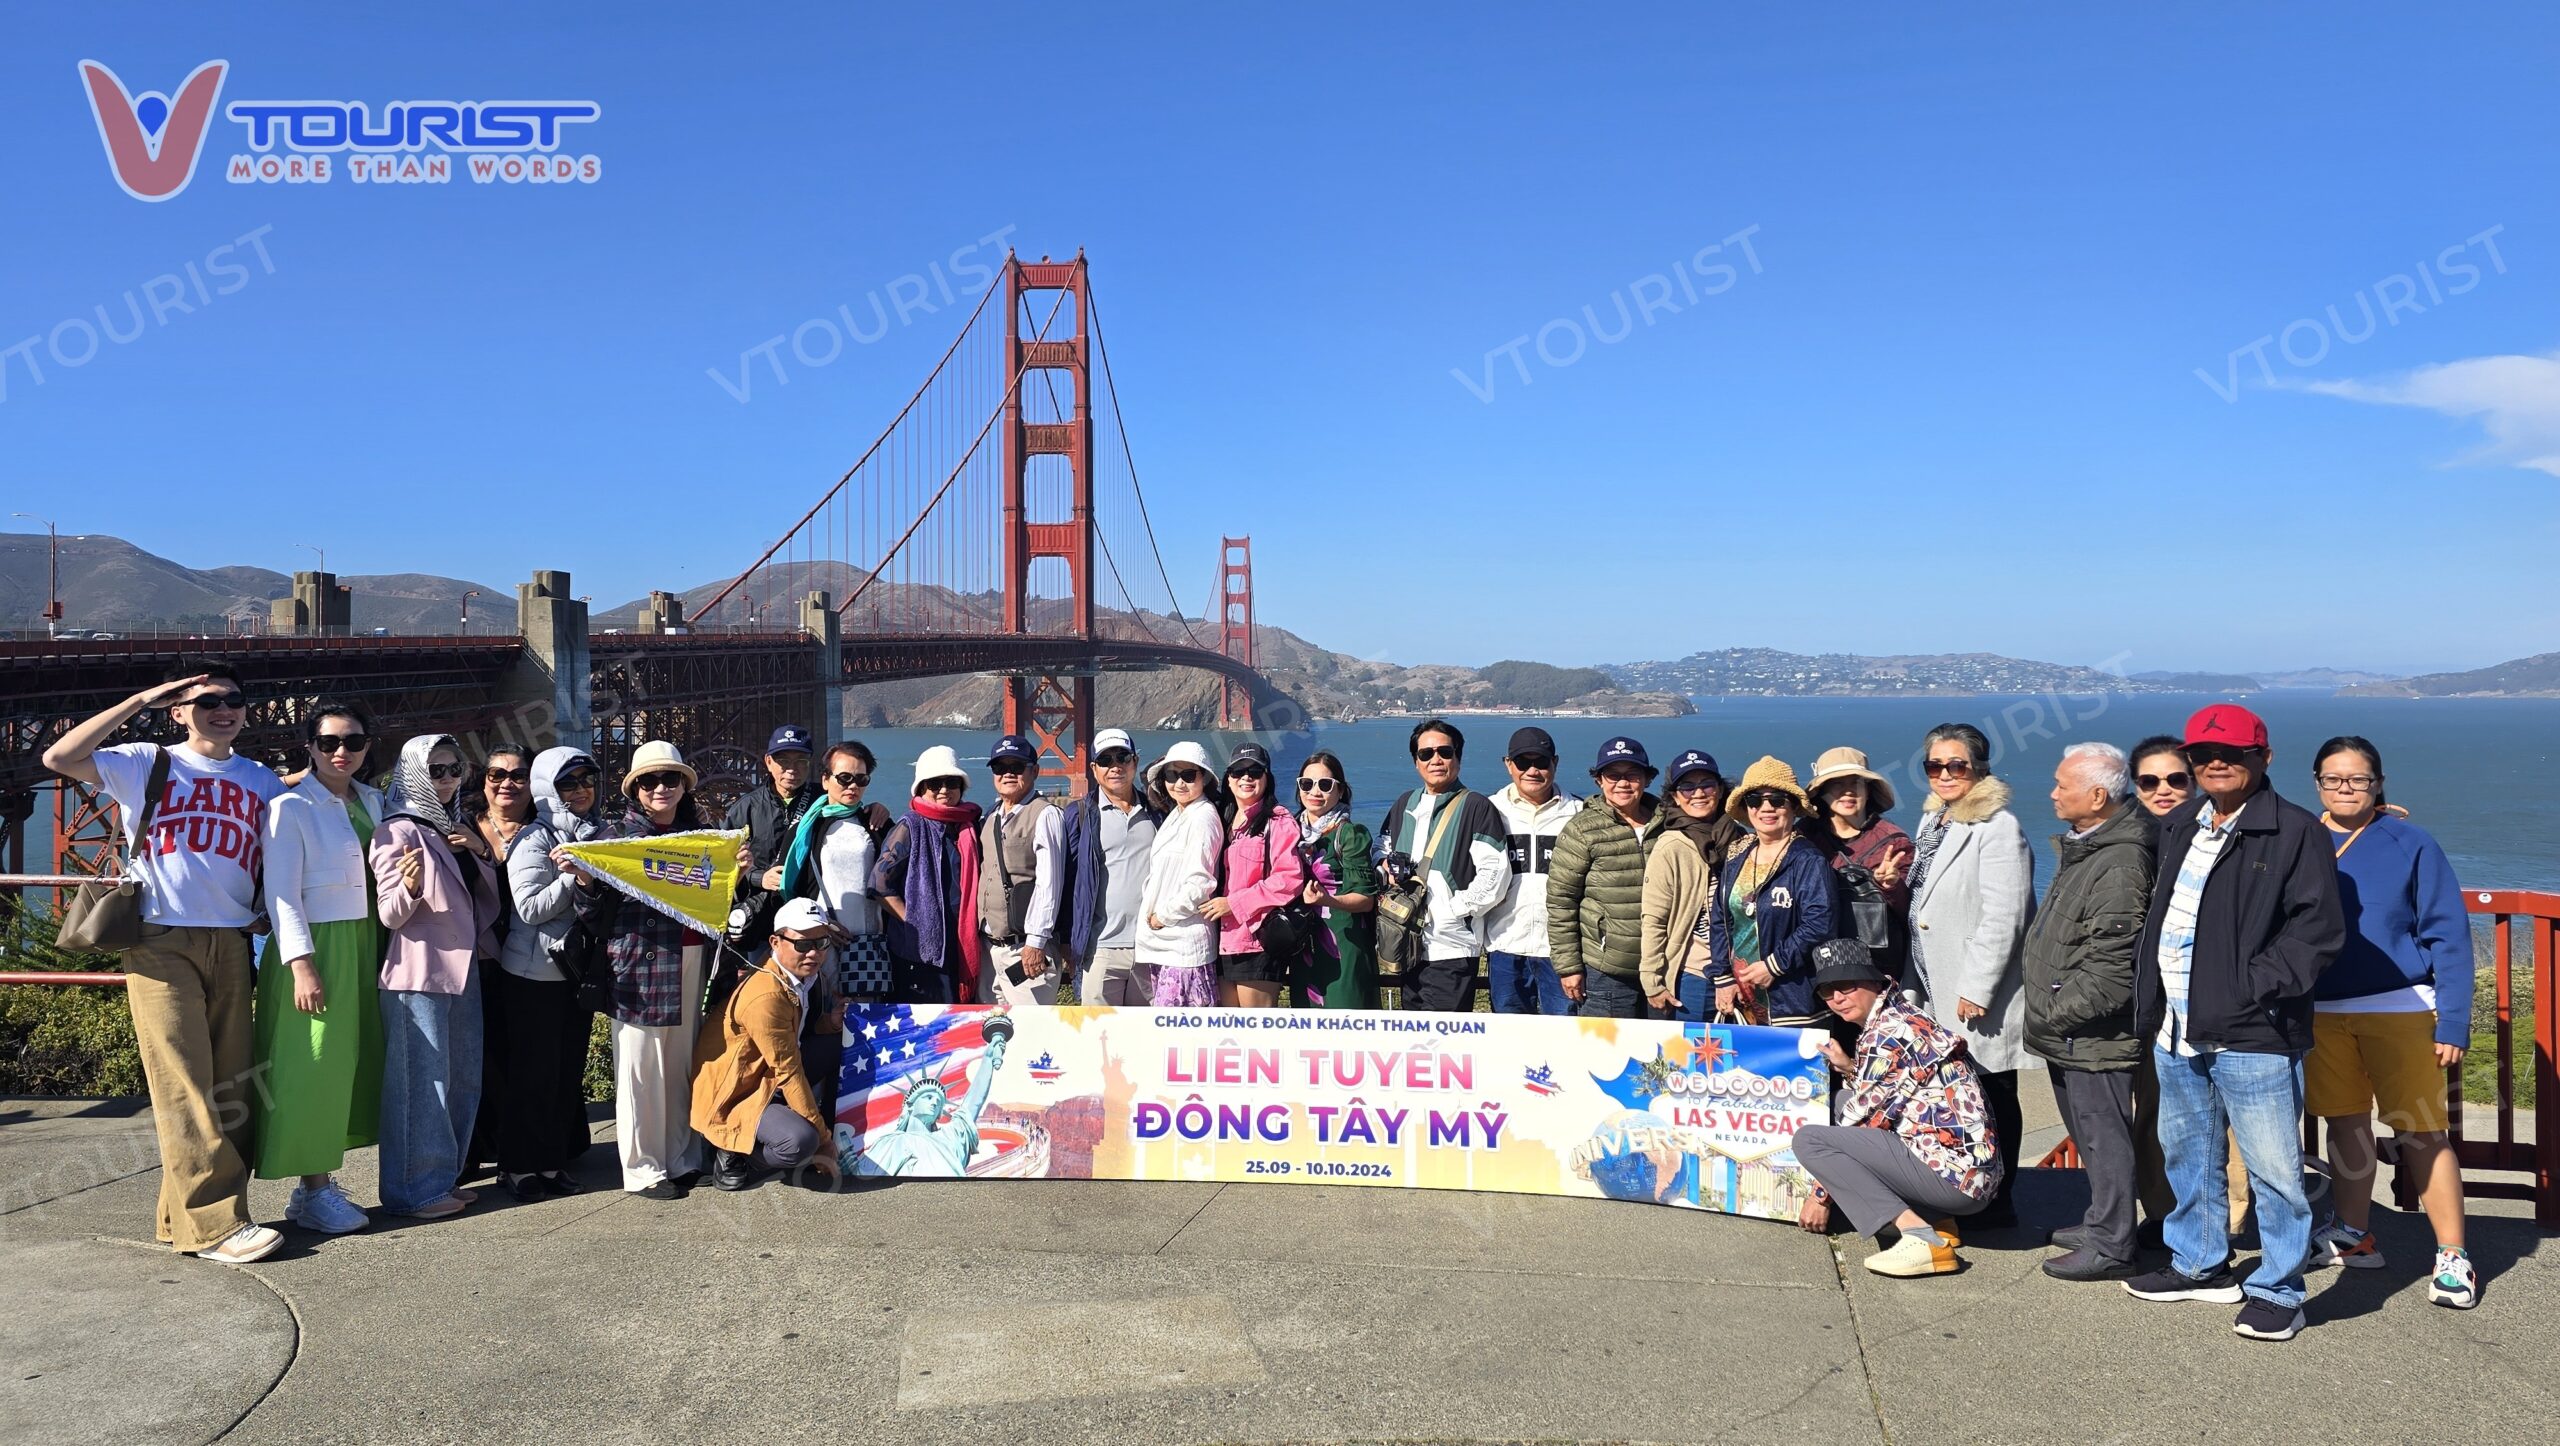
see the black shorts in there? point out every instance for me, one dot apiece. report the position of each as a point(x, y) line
point(1258, 967)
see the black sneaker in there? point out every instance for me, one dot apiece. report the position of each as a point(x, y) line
point(2263, 1320)
point(556, 1183)
point(2068, 1237)
point(2088, 1265)
point(663, 1190)
point(2168, 1283)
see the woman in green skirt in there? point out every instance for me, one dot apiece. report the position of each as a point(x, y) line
point(1340, 968)
point(319, 1022)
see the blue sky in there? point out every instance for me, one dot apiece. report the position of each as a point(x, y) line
point(1979, 392)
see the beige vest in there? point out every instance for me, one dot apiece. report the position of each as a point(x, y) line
point(1006, 870)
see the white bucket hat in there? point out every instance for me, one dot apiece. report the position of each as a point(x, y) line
point(1185, 751)
point(657, 756)
point(939, 761)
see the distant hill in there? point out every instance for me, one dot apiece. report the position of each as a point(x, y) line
point(110, 585)
point(1768, 672)
point(2202, 682)
point(2321, 678)
point(2534, 677)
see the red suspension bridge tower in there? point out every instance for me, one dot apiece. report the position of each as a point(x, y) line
point(1054, 711)
point(1235, 627)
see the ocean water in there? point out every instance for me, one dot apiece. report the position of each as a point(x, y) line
point(2482, 775)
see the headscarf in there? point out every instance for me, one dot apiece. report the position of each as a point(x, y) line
point(548, 811)
point(412, 792)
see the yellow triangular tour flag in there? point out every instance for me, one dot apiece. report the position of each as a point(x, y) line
point(690, 877)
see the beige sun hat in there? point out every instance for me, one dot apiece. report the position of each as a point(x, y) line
point(1769, 772)
point(658, 756)
point(1851, 763)
point(939, 761)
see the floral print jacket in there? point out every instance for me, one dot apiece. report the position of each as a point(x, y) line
point(1912, 1077)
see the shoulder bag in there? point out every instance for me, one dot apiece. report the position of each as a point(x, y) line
point(107, 915)
point(1404, 913)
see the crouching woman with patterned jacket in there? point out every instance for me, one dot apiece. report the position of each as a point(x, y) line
point(1914, 1142)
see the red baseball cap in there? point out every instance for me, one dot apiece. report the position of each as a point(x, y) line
point(2227, 723)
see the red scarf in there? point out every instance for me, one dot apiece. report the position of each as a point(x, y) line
point(962, 821)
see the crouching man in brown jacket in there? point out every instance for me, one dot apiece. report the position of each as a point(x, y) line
point(752, 1097)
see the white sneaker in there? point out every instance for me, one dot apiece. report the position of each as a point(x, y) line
point(2338, 1243)
point(2455, 1283)
point(325, 1209)
point(241, 1246)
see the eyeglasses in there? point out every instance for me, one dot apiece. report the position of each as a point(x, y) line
point(447, 770)
point(340, 743)
point(574, 782)
point(2347, 782)
point(1534, 762)
point(1435, 751)
point(2148, 782)
point(1182, 775)
point(851, 780)
point(657, 780)
point(1697, 785)
point(1767, 798)
point(229, 702)
point(1947, 767)
point(508, 775)
point(1114, 758)
point(2200, 754)
point(1007, 768)
point(1253, 772)
point(1312, 784)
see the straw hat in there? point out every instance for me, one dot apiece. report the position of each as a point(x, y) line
point(658, 756)
point(1767, 773)
point(939, 761)
point(1850, 763)
point(1185, 751)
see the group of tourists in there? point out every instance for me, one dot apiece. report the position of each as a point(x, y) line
point(2194, 948)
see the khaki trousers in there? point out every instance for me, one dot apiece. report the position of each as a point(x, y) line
point(189, 989)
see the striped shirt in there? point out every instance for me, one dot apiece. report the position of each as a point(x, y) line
point(2178, 925)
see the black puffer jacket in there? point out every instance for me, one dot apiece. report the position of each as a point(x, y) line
point(2079, 956)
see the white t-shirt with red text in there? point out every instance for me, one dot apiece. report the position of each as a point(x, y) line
point(200, 869)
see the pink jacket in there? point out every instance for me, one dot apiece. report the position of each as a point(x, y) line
point(1254, 889)
point(434, 937)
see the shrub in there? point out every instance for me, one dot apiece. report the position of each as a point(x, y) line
point(61, 1039)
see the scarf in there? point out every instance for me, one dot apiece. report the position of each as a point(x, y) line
point(933, 828)
point(804, 841)
point(1924, 851)
point(1711, 834)
point(412, 793)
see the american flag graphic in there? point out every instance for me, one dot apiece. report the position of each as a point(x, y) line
point(888, 1048)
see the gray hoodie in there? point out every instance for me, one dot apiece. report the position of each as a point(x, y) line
point(543, 895)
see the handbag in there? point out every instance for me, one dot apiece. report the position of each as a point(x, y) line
point(864, 968)
point(1404, 912)
point(581, 954)
point(107, 915)
point(1287, 930)
point(1869, 919)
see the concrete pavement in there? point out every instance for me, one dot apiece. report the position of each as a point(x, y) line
point(1075, 1312)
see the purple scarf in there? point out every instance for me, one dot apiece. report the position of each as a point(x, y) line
point(935, 833)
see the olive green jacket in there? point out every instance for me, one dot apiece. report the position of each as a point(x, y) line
point(1595, 891)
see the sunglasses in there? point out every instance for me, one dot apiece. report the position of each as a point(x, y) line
point(447, 770)
point(1318, 785)
point(1947, 767)
point(1254, 772)
point(1434, 752)
point(340, 743)
point(851, 780)
point(805, 946)
point(508, 775)
point(1534, 762)
point(1182, 775)
point(1765, 798)
point(1114, 758)
point(1008, 768)
point(574, 782)
point(2200, 754)
point(231, 702)
point(2147, 782)
point(651, 781)
point(1697, 785)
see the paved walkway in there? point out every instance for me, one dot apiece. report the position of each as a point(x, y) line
point(1066, 1312)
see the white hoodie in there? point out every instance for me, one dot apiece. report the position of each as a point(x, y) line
point(1182, 875)
point(1518, 925)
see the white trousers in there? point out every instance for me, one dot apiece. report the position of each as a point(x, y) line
point(1115, 977)
point(995, 988)
point(653, 1092)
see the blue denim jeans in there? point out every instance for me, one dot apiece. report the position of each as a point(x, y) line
point(1606, 996)
point(2259, 1098)
point(430, 1091)
point(1526, 984)
point(1697, 997)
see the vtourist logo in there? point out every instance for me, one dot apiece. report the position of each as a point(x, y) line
point(153, 143)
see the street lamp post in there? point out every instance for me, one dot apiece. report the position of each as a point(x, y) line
point(52, 571)
point(467, 595)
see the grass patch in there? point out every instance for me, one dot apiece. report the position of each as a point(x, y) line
point(2480, 1059)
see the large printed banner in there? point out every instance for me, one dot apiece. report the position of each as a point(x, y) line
point(1696, 1115)
point(691, 877)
